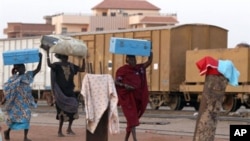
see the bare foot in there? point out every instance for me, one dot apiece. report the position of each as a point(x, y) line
point(6, 135)
point(70, 132)
point(60, 135)
point(26, 139)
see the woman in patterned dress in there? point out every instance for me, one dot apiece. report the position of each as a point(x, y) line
point(19, 99)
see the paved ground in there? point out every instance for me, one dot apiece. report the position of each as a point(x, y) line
point(44, 128)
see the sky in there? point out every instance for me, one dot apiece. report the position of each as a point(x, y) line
point(232, 15)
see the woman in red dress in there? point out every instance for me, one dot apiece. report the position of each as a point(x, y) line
point(132, 89)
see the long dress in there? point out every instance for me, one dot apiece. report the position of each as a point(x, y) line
point(62, 81)
point(133, 102)
point(19, 101)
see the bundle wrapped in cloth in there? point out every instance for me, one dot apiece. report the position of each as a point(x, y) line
point(65, 45)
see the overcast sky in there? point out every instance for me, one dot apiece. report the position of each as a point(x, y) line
point(232, 15)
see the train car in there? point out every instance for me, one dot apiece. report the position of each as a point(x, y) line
point(165, 75)
point(169, 45)
point(235, 96)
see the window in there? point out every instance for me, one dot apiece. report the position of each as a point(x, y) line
point(104, 14)
point(113, 14)
point(120, 28)
point(83, 29)
point(99, 29)
point(125, 14)
point(64, 30)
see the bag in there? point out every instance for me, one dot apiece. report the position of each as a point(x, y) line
point(49, 40)
point(65, 45)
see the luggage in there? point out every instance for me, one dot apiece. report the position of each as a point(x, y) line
point(130, 46)
point(65, 45)
point(21, 56)
point(49, 40)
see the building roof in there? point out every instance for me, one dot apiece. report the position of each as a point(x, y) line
point(126, 4)
point(148, 19)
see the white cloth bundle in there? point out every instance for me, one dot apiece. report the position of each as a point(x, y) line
point(99, 94)
point(67, 45)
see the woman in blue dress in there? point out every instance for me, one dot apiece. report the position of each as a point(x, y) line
point(19, 99)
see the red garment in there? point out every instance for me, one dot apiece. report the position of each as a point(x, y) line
point(133, 102)
point(208, 65)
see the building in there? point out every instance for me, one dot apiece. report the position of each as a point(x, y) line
point(15, 30)
point(140, 13)
point(107, 15)
point(113, 15)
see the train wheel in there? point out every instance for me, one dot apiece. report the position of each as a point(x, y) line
point(246, 98)
point(176, 102)
point(247, 105)
point(231, 104)
point(155, 101)
point(196, 106)
point(238, 104)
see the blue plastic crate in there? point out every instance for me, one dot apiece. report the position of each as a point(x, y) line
point(21, 56)
point(130, 46)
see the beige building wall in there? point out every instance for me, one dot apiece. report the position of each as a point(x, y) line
point(135, 19)
point(108, 23)
point(72, 28)
point(103, 19)
point(70, 23)
point(56, 21)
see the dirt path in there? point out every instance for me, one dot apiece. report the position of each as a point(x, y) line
point(44, 128)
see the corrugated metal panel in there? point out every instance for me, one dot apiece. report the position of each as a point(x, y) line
point(110, 23)
point(42, 79)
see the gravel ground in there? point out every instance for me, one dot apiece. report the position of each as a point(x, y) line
point(44, 128)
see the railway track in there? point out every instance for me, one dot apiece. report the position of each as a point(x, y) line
point(242, 114)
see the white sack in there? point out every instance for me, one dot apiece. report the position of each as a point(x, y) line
point(69, 46)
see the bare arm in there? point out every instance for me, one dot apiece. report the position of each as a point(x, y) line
point(82, 68)
point(46, 48)
point(126, 86)
point(149, 62)
point(48, 60)
point(38, 68)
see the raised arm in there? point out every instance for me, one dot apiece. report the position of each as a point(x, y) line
point(46, 48)
point(82, 68)
point(149, 62)
point(38, 68)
